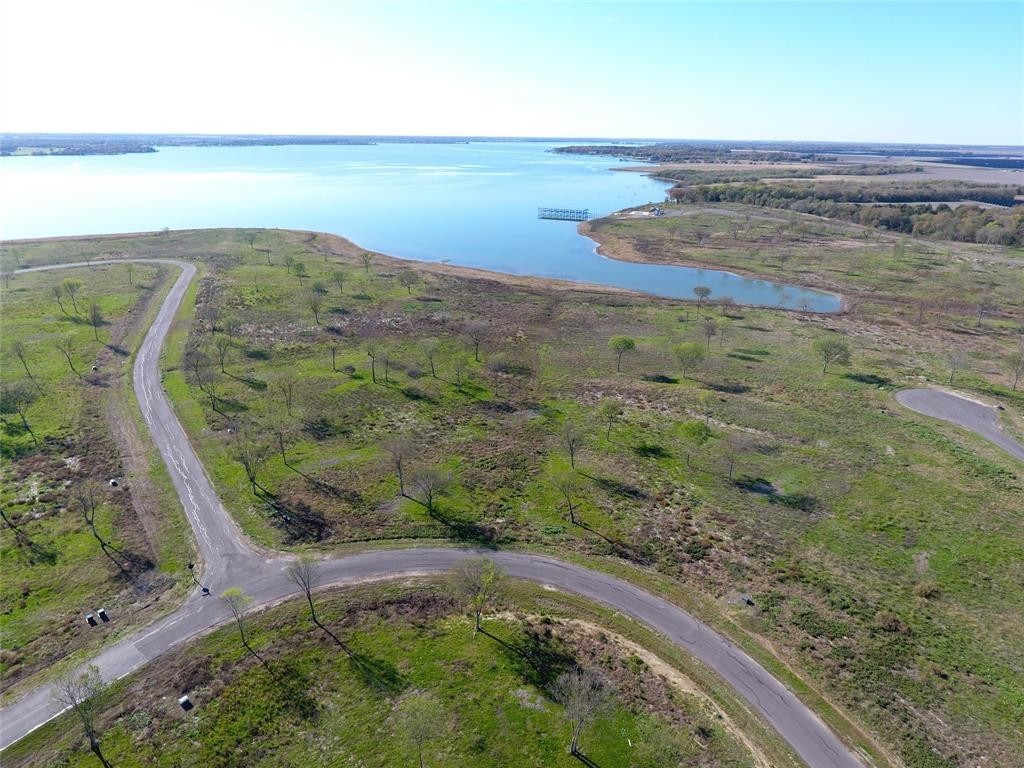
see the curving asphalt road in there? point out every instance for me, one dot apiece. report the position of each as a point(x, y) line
point(230, 561)
point(970, 414)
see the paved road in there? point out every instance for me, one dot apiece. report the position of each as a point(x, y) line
point(230, 561)
point(980, 419)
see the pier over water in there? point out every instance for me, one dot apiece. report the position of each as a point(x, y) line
point(564, 214)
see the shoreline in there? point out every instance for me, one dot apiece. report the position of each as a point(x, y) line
point(526, 281)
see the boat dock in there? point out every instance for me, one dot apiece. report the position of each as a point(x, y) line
point(564, 214)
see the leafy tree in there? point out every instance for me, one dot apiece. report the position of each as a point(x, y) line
point(620, 345)
point(832, 351)
point(339, 276)
point(568, 484)
point(300, 271)
point(689, 354)
point(477, 581)
point(58, 293)
point(408, 279)
point(583, 693)
point(238, 603)
point(315, 302)
point(21, 352)
point(84, 694)
point(1017, 367)
point(367, 259)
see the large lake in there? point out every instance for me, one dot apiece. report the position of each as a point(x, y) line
point(470, 204)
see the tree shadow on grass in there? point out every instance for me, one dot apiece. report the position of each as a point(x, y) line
point(868, 378)
point(799, 501)
point(651, 451)
point(293, 690)
point(379, 675)
point(537, 658)
point(617, 487)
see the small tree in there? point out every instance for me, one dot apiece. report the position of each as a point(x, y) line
point(339, 276)
point(1017, 367)
point(583, 693)
point(460, 366)
point(572, 439)
point(957, 359)
point(408, 279)
point(84, 694)
point(305, 575)
point(832, 351)
point(418, 717)
point(372, 351)
point(250, 455)
point(130, 269)
point(367, 259)
point(222, 345)
point(300, 271)
point(477, 331)
point(95, 319)
point(477, 581)
point(58, 293)
point(431, 347)
point(620, 345)
point(609, 410)
point(71, 288)
point(315, 302)
point(702, 292)
point(726, 306)
point(710, 329)
point(18, 398)
point(689, 354)
point(238, 602)
point(431, 485)
point(20, 351)
point(568, 484)
point(66, 345)
point(287, 385)
point(401, 451)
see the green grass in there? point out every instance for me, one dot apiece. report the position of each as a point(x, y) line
point(54, 571)
point(845, 515)
point(494, 695)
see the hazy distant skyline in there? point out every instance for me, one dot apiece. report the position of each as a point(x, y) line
point(916, 72)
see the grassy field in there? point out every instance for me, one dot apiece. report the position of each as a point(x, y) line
point(809, 508)
point(313, 705)
point(80, 427)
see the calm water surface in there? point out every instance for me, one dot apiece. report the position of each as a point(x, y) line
point(470, 204)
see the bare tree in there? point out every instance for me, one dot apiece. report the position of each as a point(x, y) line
point(460, 366)
point(66, 344)
point(726, 306)
point(222, 345)
point(95, 319)
point(568, 484)
point(88, 500)
point(18, 398)
point(130, 269)
point(238, 602)
point(58, 293)
point(83, 694)
point(710, 329)
point(334, 346)
point(477, 581)
point(250, 238)
point(372, 350)
point(1017, 367)
point(572, 439)
point(957, 359)
point(736, 444)
point(408, 279)
point(401, 451)
point(304, 573)
point(583, 693)
point(251, 456)
point(367, 259)
point(21, 352)
point(287, 384)
point(419, 717)
point(71, 288)
point(477, 331)
point(609, 410)
point(431, 484)
point(431, 347)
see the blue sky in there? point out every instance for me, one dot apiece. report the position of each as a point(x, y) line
point(913, 71)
